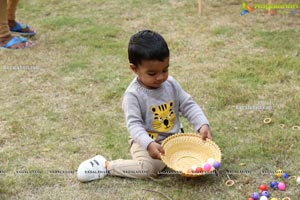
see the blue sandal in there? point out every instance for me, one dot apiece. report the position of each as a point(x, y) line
point(19, 28)
point(15, 40)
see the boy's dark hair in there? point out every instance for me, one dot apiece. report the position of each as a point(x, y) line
point(147, 45)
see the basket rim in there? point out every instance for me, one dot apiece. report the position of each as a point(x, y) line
point(164, 142)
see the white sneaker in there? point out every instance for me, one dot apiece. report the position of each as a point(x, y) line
point(92, 169)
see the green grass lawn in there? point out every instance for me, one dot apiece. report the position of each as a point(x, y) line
point(64, 106)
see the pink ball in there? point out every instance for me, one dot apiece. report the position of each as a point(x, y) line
point(207, 167)
point(281, 186)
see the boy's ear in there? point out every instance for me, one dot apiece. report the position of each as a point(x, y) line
point(133, 68)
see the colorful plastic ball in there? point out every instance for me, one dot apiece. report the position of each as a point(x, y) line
point(279, 173)
point(265, 193)
point(217, 165)
point(281, 186)
point(263, 187)
point(284, 175)
point(250, 198)
point(199, 170)
point(255, 195)
point(274, 185)
point(210, 161)
point(263, 198)
point(274, 198)
point(298, 180)
point(207, 167)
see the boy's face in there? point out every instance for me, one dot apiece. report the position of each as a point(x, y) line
point(151, 73)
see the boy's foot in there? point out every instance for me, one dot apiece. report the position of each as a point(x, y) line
point(92, 169)
point(22, 29)
point(14, 42)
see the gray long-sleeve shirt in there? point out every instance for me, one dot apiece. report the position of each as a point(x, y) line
point(153, 114)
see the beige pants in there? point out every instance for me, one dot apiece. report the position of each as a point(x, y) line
point(7, 12)
point(141, 165)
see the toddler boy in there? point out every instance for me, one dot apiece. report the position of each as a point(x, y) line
point(151, 103)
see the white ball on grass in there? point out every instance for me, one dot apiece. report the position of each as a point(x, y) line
point(263, 198)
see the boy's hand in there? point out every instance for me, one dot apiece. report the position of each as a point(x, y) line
point(154, 149)
point(205, 132)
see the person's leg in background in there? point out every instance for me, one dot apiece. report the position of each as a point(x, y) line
point(4, 28)
point(6, 39)
point(14, 26)
point(11, 9)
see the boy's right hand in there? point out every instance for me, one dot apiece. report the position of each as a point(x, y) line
point(155, 150)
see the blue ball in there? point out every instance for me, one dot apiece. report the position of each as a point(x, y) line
point(265, 193)
point(255, 196)
point(285, 175)
point(274, 185)
point(217, 165)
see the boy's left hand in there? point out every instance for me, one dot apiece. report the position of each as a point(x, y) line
point(205, 132)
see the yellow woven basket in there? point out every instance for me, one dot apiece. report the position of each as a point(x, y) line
point(184, 150)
